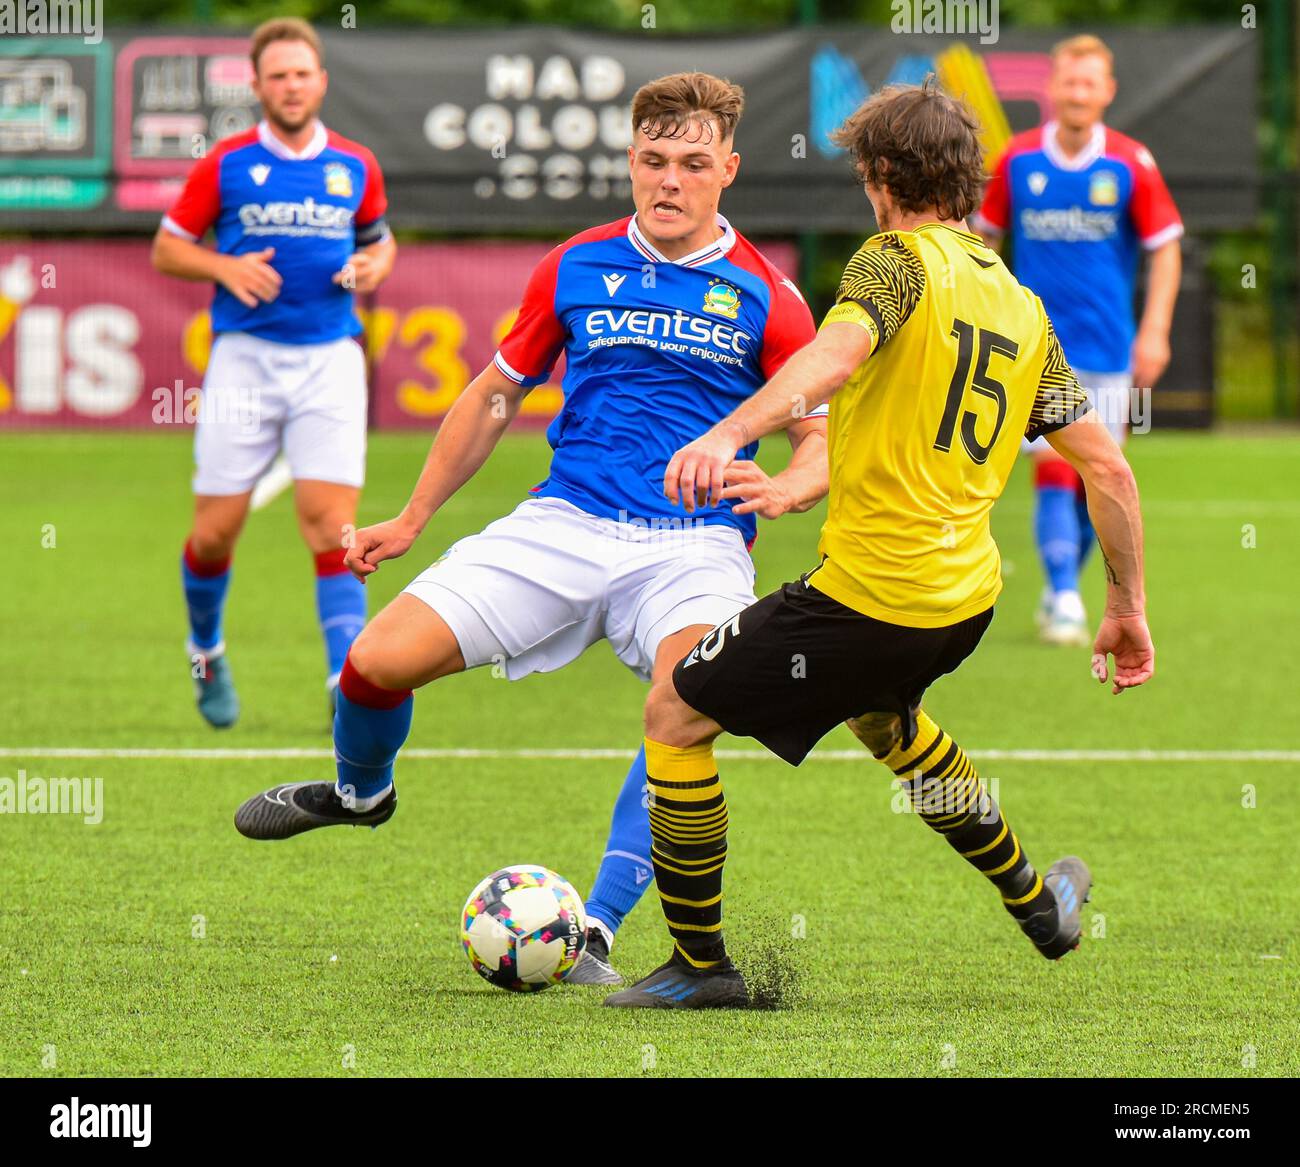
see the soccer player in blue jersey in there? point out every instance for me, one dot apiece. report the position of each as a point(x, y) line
point(668, 319)
point(1081, 202)
point(298, 213)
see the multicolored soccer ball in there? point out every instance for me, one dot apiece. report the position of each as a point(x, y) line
point(524, 928)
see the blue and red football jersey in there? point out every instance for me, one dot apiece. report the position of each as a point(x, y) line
point(656, 352)
point(315, 208)
point(1076, 225)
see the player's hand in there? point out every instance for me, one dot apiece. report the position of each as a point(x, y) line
point(697, 473)
point(372, 545)
point(361, 273)
point(761, 493)
point(250, 278)
point(1150, 357)
point(1128, 640)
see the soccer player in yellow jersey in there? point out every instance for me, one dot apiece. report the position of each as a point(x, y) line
point(936, 363)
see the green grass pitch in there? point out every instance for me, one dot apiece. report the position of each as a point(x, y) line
point(160, 942)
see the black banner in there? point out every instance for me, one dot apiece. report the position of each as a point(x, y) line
point(526, 129)
point(333, 1117)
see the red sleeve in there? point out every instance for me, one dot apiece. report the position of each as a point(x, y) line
point(789, 326)
point(996, 208)
point(534, 343)
point(1155, 217)
point(199, 203)
point(374, 200)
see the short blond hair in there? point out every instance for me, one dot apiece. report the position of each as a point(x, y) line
point(663, 108)
point(284, 28)
point(1085, 45)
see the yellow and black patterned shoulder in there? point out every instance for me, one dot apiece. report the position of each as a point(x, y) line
point(1060, 398)
point(887, 279)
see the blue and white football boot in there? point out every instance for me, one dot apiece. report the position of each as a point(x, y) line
point(676, 985)
point(1058, 930)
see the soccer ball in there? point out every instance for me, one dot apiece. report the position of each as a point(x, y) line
point(524, 928)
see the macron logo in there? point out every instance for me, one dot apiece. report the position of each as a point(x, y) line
point(102, 1120)
point(613, 283)
point(259, 173)
point(789, 283)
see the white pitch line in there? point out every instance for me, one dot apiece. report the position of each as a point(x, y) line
point(582, 755)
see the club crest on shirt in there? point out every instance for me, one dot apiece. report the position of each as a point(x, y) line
point(1038, 182)
point(722, 299)
point(338, 180)
point(1103, 189)
point(259, 173)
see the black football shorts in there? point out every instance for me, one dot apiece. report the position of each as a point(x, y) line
point(793, 665)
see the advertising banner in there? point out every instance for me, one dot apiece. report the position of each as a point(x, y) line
point(91, 335)
point(526, 129)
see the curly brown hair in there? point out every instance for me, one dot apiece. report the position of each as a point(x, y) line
point(922, 144)
point(669, 106)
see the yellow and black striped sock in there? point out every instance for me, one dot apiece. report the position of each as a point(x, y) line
point(947, 793)
point(688, 831)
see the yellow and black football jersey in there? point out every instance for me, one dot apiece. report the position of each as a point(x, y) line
point(923, 436)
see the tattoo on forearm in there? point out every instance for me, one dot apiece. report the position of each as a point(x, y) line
point(1111, 577)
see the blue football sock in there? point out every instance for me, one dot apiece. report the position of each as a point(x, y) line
point(626, 871)
point(340, 606)
point(370, 725)
point(205, 585)
point(1087, 536)
point(1056, 527)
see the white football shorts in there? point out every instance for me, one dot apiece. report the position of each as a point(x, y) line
point(1111, 396)
point(532, 590)
point(261, 396)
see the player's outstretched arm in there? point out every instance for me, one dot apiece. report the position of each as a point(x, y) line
point(250, 278)
point(468, 434)
point(807, 477)
point(798, 488)
point(698, 472)
point(1116, 515)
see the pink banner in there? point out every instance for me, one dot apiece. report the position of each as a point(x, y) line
point(437, 321)
point(91, 335)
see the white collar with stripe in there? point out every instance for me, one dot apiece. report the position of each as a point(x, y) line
point(1080, 161)
point(319, 139)
point(706, 254)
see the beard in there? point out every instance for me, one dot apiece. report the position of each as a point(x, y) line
point(291, 124)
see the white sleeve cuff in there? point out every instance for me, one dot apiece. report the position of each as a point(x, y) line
point(501, 363)
point(170, 224)
point(1160, 238)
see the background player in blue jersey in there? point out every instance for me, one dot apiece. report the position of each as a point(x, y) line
point(668, 319)
point(1081, 202)
point(298, 213)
